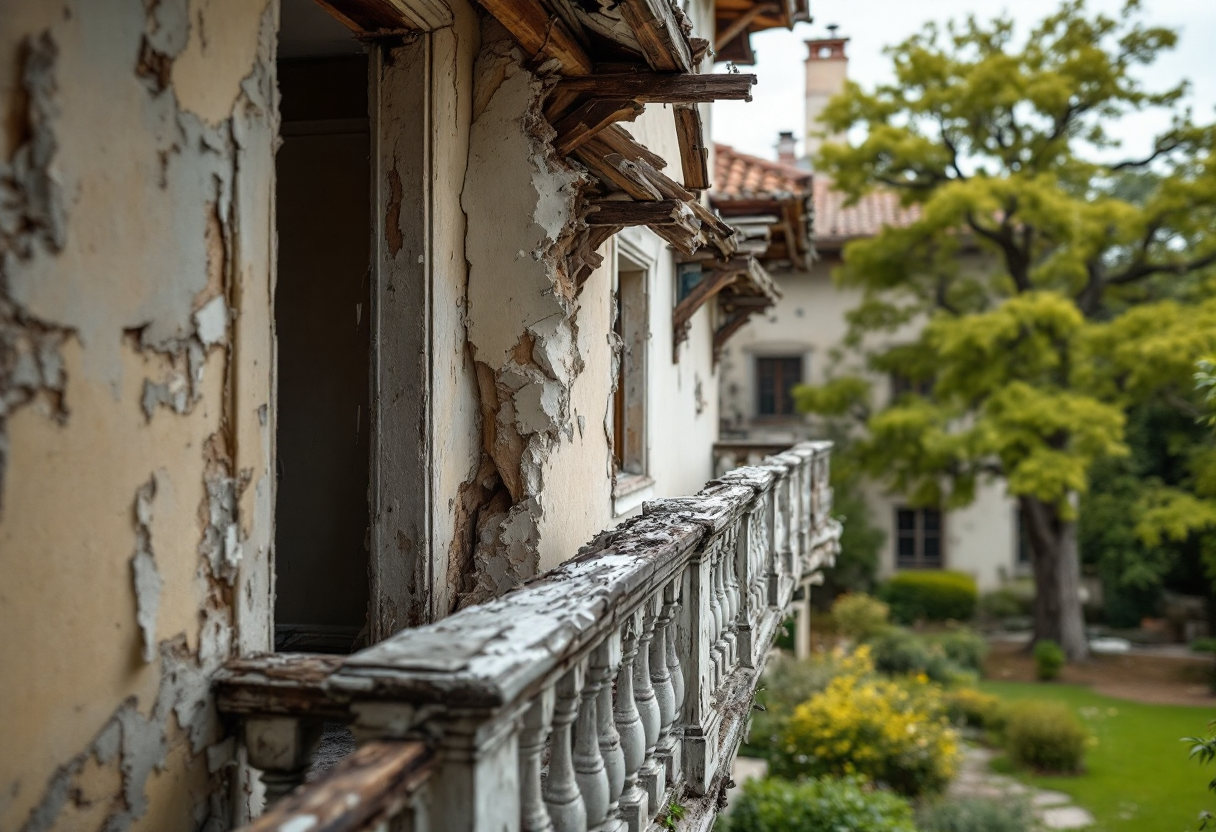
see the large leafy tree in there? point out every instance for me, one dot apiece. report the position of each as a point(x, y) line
point(1035, 298)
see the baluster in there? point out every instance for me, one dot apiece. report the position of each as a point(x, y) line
point(660, 680)
point(588, 763)
point(282, 748)
point(603, 662)
point(634, 804)
point(653, 776)
point(671, 744)
point(561, 791)
point(721, 609)
point(730, 580)
point(674, 669)
point(534, 816)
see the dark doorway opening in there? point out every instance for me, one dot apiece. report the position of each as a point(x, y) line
point(323, 323)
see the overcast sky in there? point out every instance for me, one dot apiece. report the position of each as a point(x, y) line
point(777, 103)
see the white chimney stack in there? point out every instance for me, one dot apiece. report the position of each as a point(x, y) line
point(787, 147)
point(827, 69)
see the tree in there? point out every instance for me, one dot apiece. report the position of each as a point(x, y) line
point(1027, 294)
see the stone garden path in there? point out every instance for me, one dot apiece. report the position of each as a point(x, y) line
point(976, 779)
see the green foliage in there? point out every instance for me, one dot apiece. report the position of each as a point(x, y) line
point(859, 616)
point(894, 732)
point(1049, 659)
point(672, 817)
point(963, 646)
point(1003, 603)
point(1092, 289)
point(1203, 645)
point(861, 539)
point(900, 652)
point(787, 683)
point(972, 708)
point(930, 596)
point(775, 805)
point(975, 815)
point(1045, 736)
point(1203, 749)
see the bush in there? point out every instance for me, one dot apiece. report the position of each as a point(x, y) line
point(774, 805)
point(893, 732)
point(965, 648)
point(1045, 736)
point(787, 683)
point(900, 652)
point(975, 815)
point(1003, 603)
point(930, 596)
point(971, 708)
point(1048, 659)
point(1203, 645)
point(860, 616)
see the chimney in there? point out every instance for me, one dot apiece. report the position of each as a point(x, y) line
point(827, 68)
point(786, 147)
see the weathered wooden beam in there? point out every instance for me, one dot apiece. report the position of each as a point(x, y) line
point(742, 22)
point(732, 325)
point(618, 140)
point(699, 47)
point(694, 155)
point(589, 119)
point(371, 17)
point(664, 88)
point(663, 43)
point(371, 786)
point(628, 212)
point(616, 170)
point(711, 283)
point(540, 34)
point(289, 684)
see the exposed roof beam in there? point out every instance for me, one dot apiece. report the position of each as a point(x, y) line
point(541, 34)
point(586, 121)
point(663, 88)
point(664, 44)
point(694, 155)
point(742, 22)
point(624, 212)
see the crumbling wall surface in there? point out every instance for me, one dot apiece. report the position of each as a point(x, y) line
point(136, 176)
point(523, 322)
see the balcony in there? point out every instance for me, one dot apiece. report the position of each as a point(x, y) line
point(599, 696)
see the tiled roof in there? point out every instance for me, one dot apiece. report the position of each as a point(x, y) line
point(738, 176)
point(871, 213)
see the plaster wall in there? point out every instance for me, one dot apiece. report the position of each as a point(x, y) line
point(136, 375)
point(810, 321)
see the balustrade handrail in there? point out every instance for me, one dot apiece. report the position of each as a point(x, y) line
point(634, 663)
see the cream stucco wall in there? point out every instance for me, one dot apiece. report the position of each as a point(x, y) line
point(136, 173)
point(810, 321)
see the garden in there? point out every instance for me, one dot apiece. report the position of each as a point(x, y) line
point(905, 720)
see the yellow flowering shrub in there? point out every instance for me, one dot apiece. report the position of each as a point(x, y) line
point(894, 732)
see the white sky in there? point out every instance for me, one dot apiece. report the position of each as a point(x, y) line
point(777, 103)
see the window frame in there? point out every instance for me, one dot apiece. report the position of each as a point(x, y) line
point(918, 535)
point(779, 360)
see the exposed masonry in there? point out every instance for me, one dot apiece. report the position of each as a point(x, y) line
point(183, 317)
point(521, 321)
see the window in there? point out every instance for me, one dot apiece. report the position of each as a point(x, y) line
point(902, 385)
point(1023, 555)
point(629, 401)
point(775, 381)
point(918, 538)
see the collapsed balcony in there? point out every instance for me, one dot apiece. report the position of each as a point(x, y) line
point(599, 696)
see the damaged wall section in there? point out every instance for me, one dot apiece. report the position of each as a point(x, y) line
point(136, 176)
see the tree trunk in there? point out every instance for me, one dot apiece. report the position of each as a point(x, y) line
point(1057, 577)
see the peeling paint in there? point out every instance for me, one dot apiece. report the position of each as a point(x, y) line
point(147, 580)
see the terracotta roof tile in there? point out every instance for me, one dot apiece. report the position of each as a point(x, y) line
point(741, 176)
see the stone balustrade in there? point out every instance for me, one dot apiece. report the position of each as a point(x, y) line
point(594, 697)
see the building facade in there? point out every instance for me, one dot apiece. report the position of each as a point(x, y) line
point(326, 323)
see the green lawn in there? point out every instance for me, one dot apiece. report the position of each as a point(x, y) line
point(1138, 775)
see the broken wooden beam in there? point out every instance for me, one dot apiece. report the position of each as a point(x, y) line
point(374, 17)
point(663, 42)
point(363, 791)
point(614, 169)
point(694, 155)
point(663, 87)
point(291, 684)
point(741, 22)
point(628, 212)
point(618, 140)
point(541, 34)
point(589, 119)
